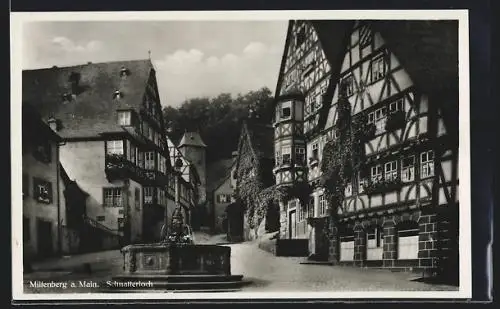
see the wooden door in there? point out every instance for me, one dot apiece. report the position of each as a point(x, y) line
point(44, 238)
point(293, 224)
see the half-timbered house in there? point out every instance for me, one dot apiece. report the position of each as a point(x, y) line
point(379, 97)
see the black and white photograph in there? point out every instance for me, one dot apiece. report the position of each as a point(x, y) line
point(170, 155)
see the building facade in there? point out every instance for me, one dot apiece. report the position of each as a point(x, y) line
point(366, 114)
point(43, 206)
point(220, 191)
point(110, 120)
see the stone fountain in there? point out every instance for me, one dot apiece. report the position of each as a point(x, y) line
point(176, 263)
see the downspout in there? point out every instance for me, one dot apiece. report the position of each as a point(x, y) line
point(59, 227)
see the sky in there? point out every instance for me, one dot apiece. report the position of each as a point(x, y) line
point(192, 58)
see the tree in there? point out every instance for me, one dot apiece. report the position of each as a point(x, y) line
point(218, 119)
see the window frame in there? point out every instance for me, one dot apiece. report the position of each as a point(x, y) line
point(300, 155)
point(125, 115)
point(286, 152)
point(113, 200)
point(427, 164)
point(38, 185)
point(112, 147)
point(149, 163)
point(378, 175)
point(375, 63)
point(392, 173)
point(148, 195)
point(286, 106)
point(408, 169)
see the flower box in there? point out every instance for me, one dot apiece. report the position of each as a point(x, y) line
point(381, 186)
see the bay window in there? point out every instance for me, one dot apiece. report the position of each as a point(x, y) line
point(323, 206)
point(278, 157)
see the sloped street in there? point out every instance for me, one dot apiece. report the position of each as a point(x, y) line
point(265, 271)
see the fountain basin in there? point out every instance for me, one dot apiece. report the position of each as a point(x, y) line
point(170, 266)
point(177, 259)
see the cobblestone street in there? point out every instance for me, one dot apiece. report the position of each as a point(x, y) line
point(265, 271)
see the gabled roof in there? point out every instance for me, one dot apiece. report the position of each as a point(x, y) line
point(261, 137)
point(93, 110)
point(218, 172)
point(428, 51)
point(192, 139)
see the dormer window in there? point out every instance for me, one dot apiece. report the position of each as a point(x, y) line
point(117, 94)
point(124, 72)
point(67, 97)
point(124, 118)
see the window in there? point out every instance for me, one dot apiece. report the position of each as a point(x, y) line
point(365, 37)
point(377, 69)
point(287, 155)
point(374, 243)
point(149, 160)
point(300, 155)
point(137, 198)
point(379, 118)
point(398, 105)
point(145, 128)
point(407, 240)
point(26, 185)
point(151, 134)
point(132, 153)
point(124, 118)
point(391, 170)
point(161, 196)
point(26, 229)
point(427, 164)
point(121, 224)
point(114, 147)
point(113, 197)
point(286, 110)
point(278, 158)
point(223, 198)
point(323, 206)
point(43, 151)
point(300, 37)
point(361, 183)
point(140, 158)
point(310, 207)
point(148, 195)
point(408, 169)
point(376, 173)
point(347, 85)
point(42, 191)
point(315, 151)
point(100, 218)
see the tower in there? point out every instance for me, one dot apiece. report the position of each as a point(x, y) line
point(193, 149)
point(289, 141)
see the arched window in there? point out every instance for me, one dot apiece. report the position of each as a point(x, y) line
point(407, 240)
point(347, 245)
point(374, 242)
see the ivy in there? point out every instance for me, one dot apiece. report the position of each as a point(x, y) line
point(344, 156)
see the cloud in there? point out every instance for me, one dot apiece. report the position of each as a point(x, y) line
point(190, 73)
point(66, 45)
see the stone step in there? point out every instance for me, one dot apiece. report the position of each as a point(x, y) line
point(179, 278)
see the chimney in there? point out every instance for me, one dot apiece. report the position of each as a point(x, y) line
point(53, 124)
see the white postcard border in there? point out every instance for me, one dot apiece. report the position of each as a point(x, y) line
point(17, 19)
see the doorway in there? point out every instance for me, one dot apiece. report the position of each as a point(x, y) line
point(293, 224)
point(44, 238)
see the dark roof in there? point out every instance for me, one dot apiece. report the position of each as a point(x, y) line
point(261, 138)
point(192, 139)
point(218, 172)
point(33, 126)
point(93, 110)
